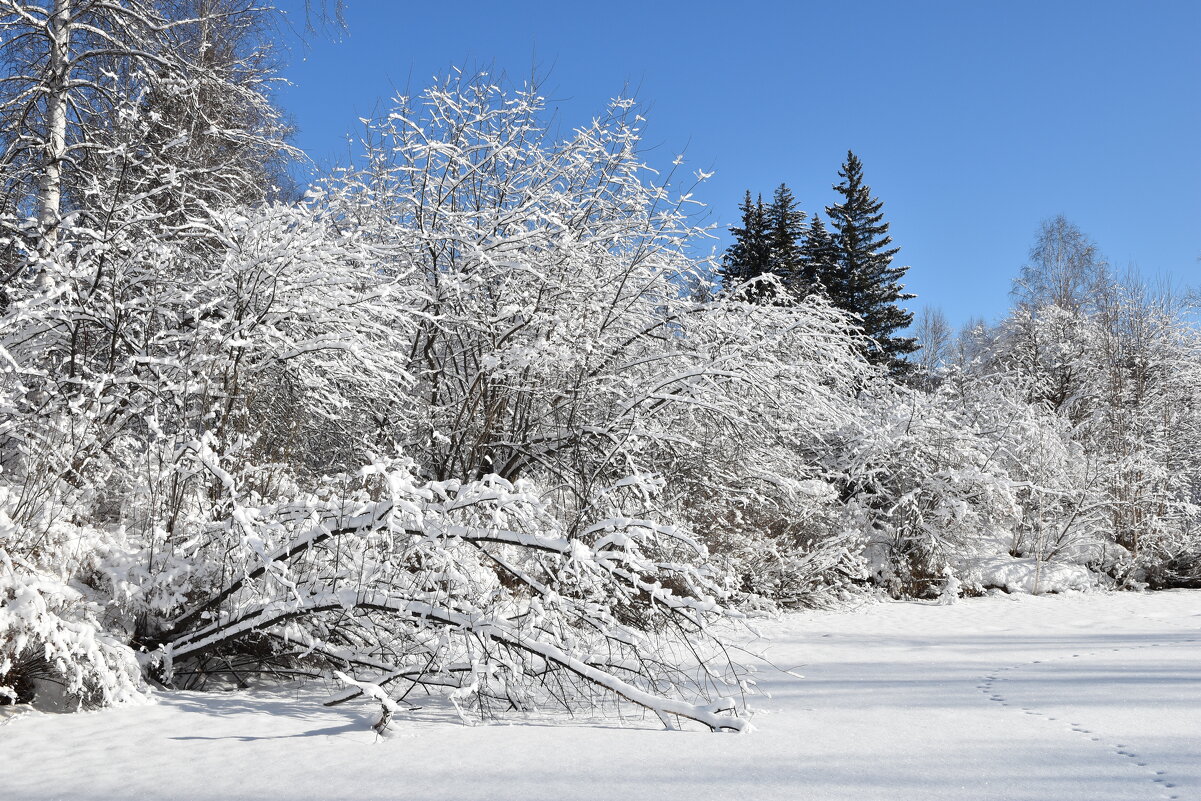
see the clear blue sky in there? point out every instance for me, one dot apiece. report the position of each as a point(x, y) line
point(975, 120)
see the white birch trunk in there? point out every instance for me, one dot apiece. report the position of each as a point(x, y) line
point(50, 188)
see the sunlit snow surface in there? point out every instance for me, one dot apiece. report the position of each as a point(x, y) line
point(1089, 697)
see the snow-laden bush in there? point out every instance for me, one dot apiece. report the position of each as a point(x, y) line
point(940, 480)
point(53, 644)
point(757, 486)
point(1031, 576)
point(558, 337)
point(926, 488)
point(545, 331)
point(1120, 369)
point(144, 362)
point(477, 587)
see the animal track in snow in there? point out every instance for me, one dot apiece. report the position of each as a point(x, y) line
point(988, 688)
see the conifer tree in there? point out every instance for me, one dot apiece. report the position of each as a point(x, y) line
point(785, 235)
point(750, 255)
point(864, 281)
point(819, 259)
point(769, 241)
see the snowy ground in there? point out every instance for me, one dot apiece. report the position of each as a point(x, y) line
point(1089, 697)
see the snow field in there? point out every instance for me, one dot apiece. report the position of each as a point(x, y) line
point(1063, 698)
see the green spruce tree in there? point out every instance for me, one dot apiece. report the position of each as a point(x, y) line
point(750, 255)
point(768, 242)
point(785, 235)
point(819, 260)
point(863, 280)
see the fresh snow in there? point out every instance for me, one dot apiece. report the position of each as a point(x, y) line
point(1031, 575)
point(1080, 696)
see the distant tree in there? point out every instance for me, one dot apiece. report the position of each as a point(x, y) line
point(750, 255)
point(933, 333)
point(769, 242)
point(864, 281)
point(218, 138)
point(785, 236)
point(1059, 293)
point(819, 256)
point(971, 342)
point(1064, 269)
point(155, 111)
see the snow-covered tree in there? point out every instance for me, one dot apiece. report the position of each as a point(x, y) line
point(558, 339)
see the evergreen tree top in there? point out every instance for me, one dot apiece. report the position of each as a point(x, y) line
point(863, 279)
point(850, 262)
point(859, 218)
point(767, 242)
point(819, 255)
point(786, 230)
point(748, 257)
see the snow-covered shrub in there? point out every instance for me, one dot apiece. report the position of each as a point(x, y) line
point(151, 377)
point(53, 645)
point(925, 483)
point(968, 471)
point(478, 588)
point(1033, 576)
point(558, 339)
point(1119, 370)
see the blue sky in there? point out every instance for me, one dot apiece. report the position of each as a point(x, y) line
point(975, 120)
